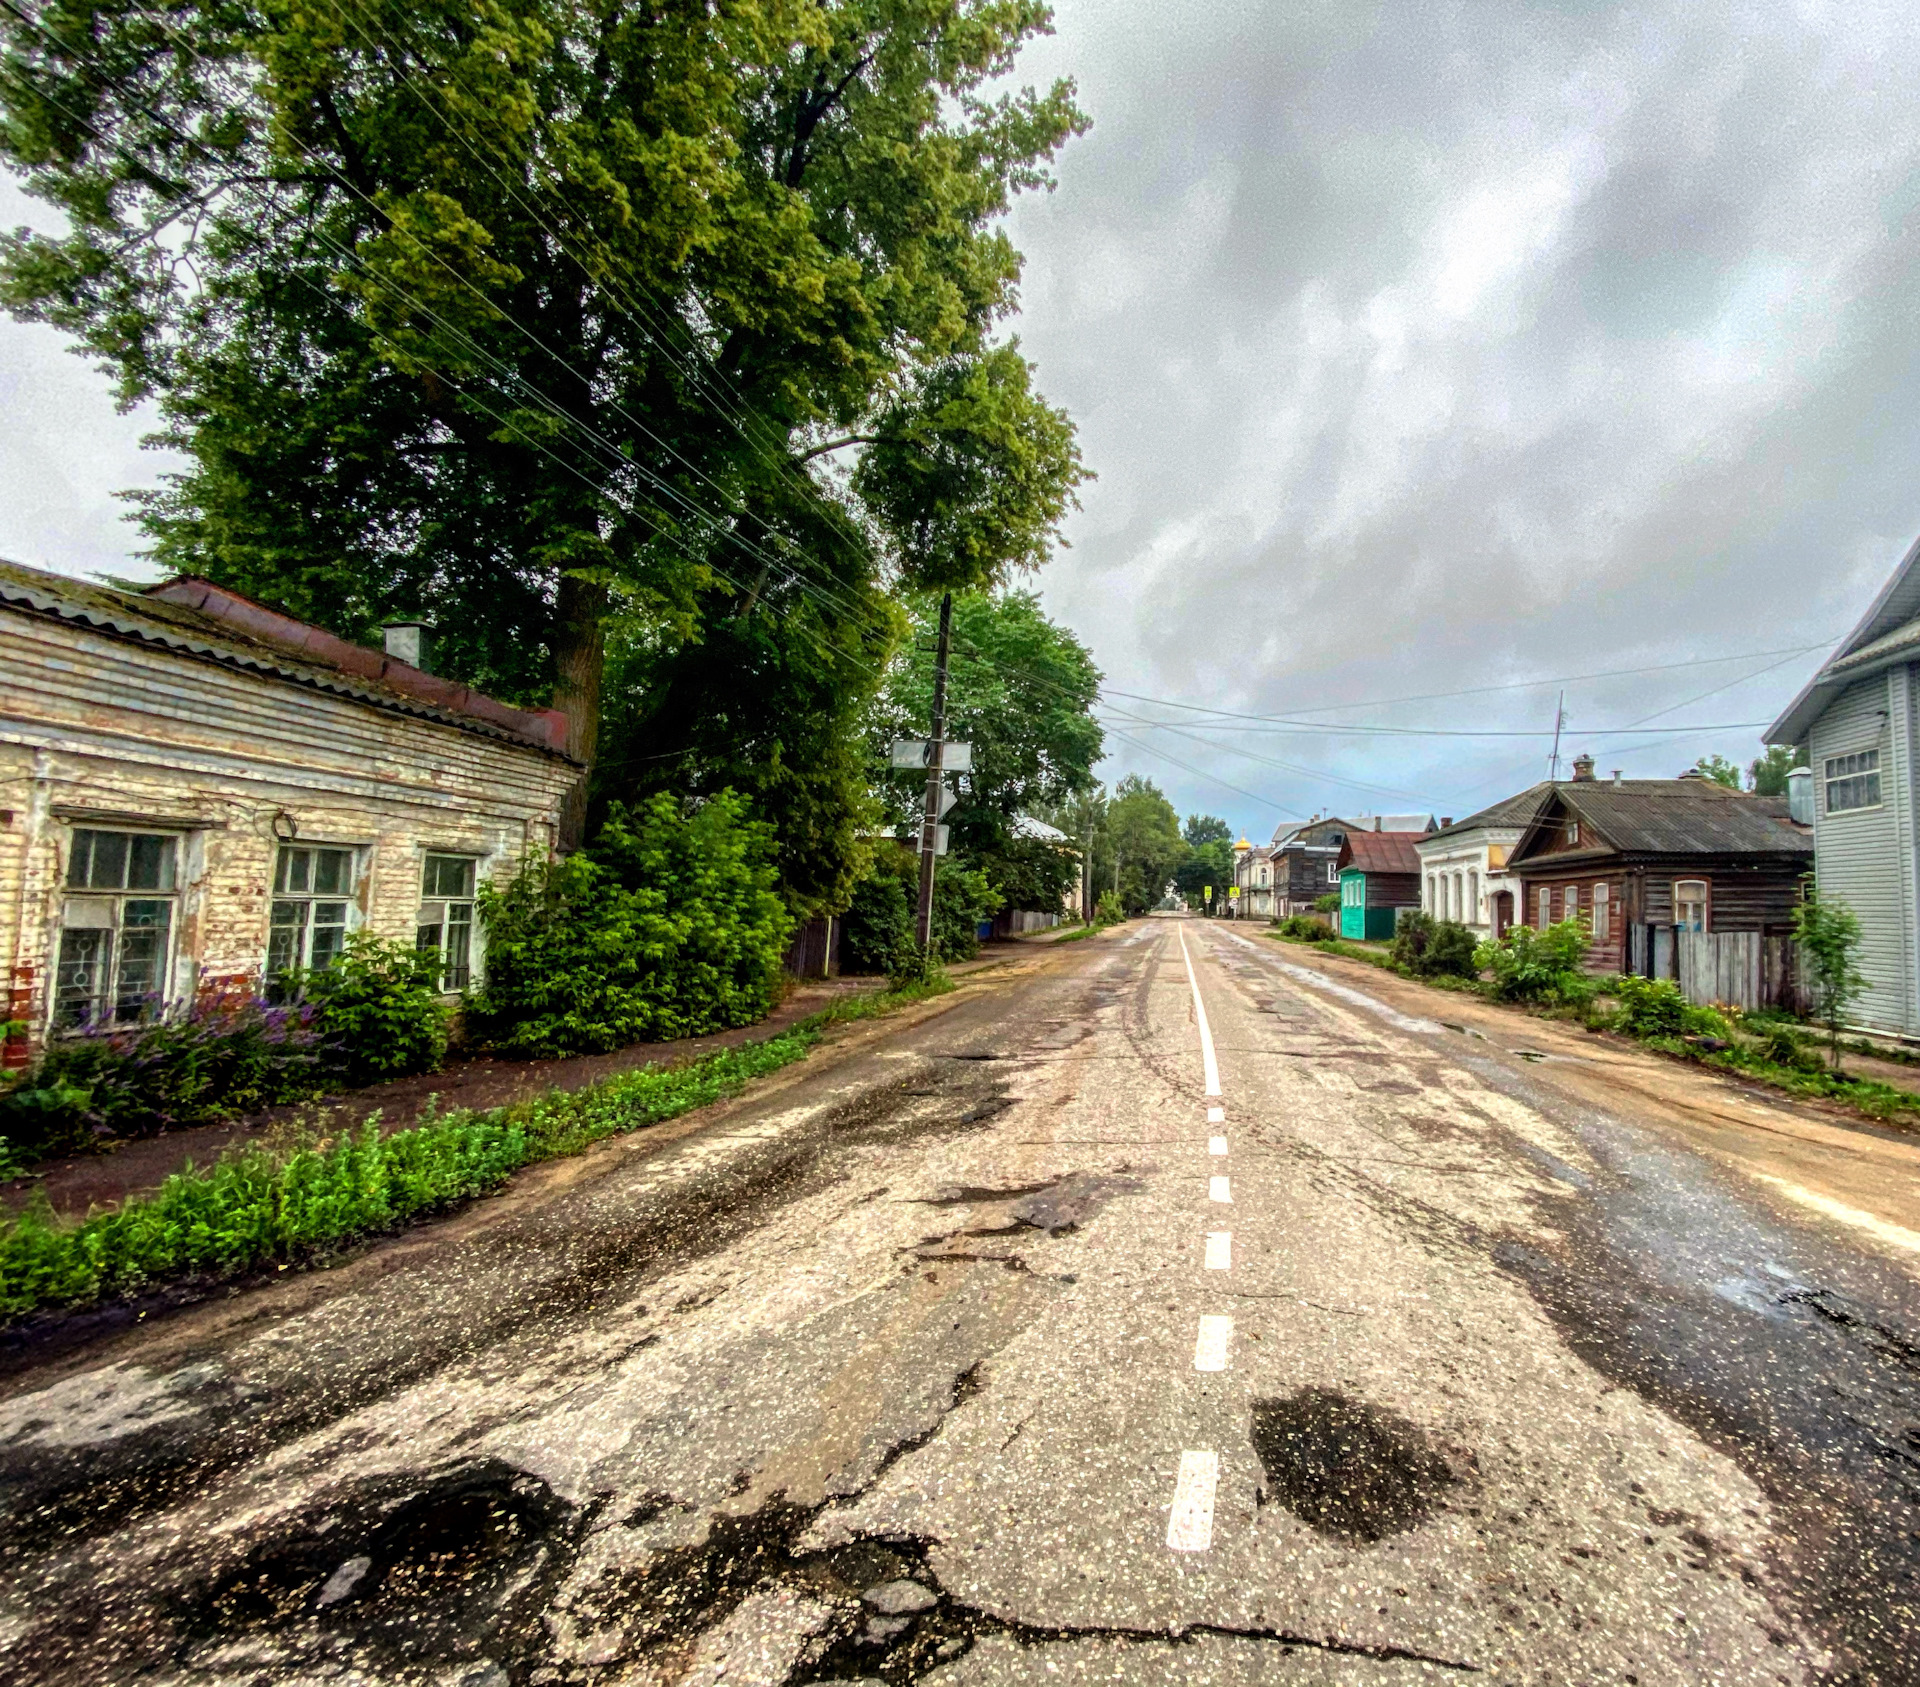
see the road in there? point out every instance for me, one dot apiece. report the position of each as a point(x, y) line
point(1167, 1308)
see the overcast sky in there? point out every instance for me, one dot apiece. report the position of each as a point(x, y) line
point(1417, 348)
point(1426, 347)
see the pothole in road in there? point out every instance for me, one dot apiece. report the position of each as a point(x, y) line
point(428, 1571)
point(1349, 1469)
point(1059, 1207)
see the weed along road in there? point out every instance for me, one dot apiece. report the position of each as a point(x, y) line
point(1165, 1308)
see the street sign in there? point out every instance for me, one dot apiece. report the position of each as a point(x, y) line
point(1206, 893)
point(1233, 893)
point(939, 840)
point(948, 797)
point(956, 755)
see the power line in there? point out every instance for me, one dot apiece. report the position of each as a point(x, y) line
point(1291, 716)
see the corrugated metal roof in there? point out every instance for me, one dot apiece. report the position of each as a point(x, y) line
point(1382, 852)
point(1510, 811)
point(200, 620)
point(1666, 817)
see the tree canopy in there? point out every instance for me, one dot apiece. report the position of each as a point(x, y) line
point(1205, 829)
point(1144, 845)
point(521, 316)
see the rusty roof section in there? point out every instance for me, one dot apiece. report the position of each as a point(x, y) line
point(1666, 817)
point(1382, 852)
point(201, 620)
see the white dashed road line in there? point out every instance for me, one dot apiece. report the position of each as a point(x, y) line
point(1210, 1349)
point(1207, 1062)
point(1219, 1189)
point(1216, 1146)
point(1190, 1528)
point(1216, 1115)
point(1219, 1250)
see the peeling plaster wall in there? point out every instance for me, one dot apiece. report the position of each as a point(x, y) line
point(105, 731)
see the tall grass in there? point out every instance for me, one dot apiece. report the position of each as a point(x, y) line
point(262, 1205)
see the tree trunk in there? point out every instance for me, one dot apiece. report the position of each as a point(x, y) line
point(579, 657)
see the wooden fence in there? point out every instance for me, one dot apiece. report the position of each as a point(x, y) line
point(1742, 969)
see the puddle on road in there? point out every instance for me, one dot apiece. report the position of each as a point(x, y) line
point(1352, 1470)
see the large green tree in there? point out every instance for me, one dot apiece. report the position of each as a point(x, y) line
point(1021, 690)
point(522, 315)
point(1143, 845)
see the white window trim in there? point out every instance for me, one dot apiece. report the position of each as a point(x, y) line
point(1828, 780)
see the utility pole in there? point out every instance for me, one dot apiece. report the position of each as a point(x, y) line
point(1086, 871)
point(1559, 720)
point(936, 756)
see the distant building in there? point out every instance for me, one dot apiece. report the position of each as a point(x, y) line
point(1858, 719)
point(1463, 865)
point(1305, 854)
point(1379, 880)
point(198, 792)
point(1253, 879)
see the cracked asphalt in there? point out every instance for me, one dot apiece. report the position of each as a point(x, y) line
point(989, 1346)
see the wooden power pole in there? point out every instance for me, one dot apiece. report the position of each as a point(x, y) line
point(936, 756)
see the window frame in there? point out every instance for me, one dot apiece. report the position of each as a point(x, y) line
point(1542, 907)
point(107, 1004)
point(451, 978)
point(1602, 913)
point(307, 900)
point(1868, 774)
point(1704, 902)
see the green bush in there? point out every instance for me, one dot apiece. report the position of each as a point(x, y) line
point(1705, 1022)
point(1649, 1007)
point(1530, 965)
point(877, 929)
point(1306, 928)
point(378, 1011)
point(962, 899)
point(1109, 910)
point(1430, 948)
point(1327, 904)
point(666, 926)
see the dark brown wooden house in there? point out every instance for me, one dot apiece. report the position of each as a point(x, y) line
point(1660, 855)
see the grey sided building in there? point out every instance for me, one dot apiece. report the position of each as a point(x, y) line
point(1858, 719)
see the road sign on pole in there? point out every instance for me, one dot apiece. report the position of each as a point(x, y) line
point(916, 754)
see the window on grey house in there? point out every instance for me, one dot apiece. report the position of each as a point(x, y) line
point(116, 928)
point(1690, 904)
point(312, 902)
point(1602, 914)
point(446, 916)
point(1853, 781)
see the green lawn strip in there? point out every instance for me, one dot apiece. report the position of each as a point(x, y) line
point(1077, 933)
point(1882, 1102)
point(260, 1205)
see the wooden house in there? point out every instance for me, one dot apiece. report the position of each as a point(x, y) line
point(1638, 857)
point(1379, 876)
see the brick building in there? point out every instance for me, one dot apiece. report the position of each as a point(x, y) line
point(196, 790)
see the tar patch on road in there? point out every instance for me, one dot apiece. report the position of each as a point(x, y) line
point(1348, 1469)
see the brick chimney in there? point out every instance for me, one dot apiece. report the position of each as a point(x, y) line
point(1582, 769)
